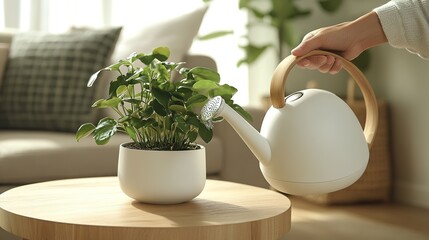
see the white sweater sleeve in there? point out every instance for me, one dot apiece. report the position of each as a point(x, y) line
point(406, 24)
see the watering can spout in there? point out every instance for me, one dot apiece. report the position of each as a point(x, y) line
point(259, 145)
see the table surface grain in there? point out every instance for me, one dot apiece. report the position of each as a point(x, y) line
point(96, 208)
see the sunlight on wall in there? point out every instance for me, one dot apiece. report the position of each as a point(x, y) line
point(25, 15)
point(225, 15)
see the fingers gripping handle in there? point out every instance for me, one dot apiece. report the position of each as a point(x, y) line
point(278, 82)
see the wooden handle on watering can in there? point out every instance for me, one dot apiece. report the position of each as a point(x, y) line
point(278, 82)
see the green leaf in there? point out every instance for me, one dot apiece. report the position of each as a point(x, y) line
point(161, 96)
point(147, 111)
point(159, 109)
point(177, 108)
point(330, 5)
point(205, 133)
point(168, 122)
point(84, 130)
point(242, 112)
point(257, 13)
point(194, 121)
point(243, 4)
point(114, 85)
point(178, 96)
point(213, 35)
point(150, 121)
point(195, 99)
point(93, 78)
point(167, 86)
point(252, 53)
point(118, 65)
point(192, 136)
point(186, 91)
point(163, 73)
point(105, 129)
point(201, 73)
point(107, 103)
point(139, 123)
point(187, 83)
point(289, 36)
point(132, 57)
point(205, 85)
point(282, 9)
point(225, 91)
point(132, 133)
point(146, 59)
point(123, 119)
point(121, 89)
point(286, 9)
point(134, 75)
point(171, 65)
point(363, 60)
point(217, 119)
point(161, 53)
point(133, 101)
point(181, 124)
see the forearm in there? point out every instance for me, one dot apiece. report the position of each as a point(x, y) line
point(368, 30)
point(406, 25)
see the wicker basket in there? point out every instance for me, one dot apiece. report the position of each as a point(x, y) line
point(376, 183)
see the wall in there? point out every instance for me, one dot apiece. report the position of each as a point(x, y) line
point(403, 82)
point(399, 77)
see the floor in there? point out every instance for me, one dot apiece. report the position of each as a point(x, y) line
point(388, 221)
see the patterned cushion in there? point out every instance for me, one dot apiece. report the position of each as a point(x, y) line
point(44, 86)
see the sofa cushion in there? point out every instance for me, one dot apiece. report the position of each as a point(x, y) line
point(34, 156)
point(44, 85)
point(176, 32)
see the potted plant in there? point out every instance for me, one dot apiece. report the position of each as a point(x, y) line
point(162, 163)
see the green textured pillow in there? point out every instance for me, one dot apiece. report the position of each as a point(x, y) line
point(44, 86)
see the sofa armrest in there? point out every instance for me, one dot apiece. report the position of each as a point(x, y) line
point(7, 34)
point(240, 165)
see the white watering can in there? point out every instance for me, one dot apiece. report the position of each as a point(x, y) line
point(311, 141)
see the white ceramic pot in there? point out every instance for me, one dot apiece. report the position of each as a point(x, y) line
point(162, 177)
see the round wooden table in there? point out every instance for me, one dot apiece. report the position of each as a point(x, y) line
point(95, 208)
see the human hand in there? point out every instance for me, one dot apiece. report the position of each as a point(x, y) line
point(347, 39)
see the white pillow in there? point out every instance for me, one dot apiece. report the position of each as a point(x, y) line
point(177, 33)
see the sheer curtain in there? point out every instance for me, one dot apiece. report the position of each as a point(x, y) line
point(59, 15)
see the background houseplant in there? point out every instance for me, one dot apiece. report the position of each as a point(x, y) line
point(155, 111)
point(277, 15)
